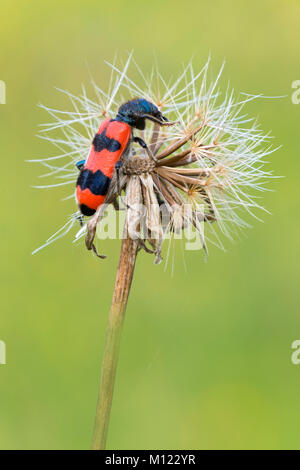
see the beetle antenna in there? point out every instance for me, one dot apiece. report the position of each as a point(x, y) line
point(161, 123)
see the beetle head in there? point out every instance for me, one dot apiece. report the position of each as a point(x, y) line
point(136, 111)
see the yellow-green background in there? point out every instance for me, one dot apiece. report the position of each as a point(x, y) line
point(206, 354)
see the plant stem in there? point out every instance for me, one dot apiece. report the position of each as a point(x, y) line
point(124, 276)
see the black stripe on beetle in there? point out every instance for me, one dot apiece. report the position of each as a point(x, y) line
point(102, 142)
point(96, 182)
point(85, 210)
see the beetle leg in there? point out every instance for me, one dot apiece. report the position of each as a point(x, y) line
point(80, 218)
point(79, 165)
point(143, 144)
point(117, 167)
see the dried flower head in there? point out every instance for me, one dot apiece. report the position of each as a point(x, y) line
point(202, 170)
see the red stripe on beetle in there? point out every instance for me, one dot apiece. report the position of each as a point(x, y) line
point(89, 199)
point(106, 160)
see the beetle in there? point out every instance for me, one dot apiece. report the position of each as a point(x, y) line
point(111, 143)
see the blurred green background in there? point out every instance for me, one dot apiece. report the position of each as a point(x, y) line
point(206, 354)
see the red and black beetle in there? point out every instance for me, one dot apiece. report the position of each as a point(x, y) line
point(112, 142)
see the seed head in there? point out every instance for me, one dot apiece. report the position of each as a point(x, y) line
point(198, 174)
